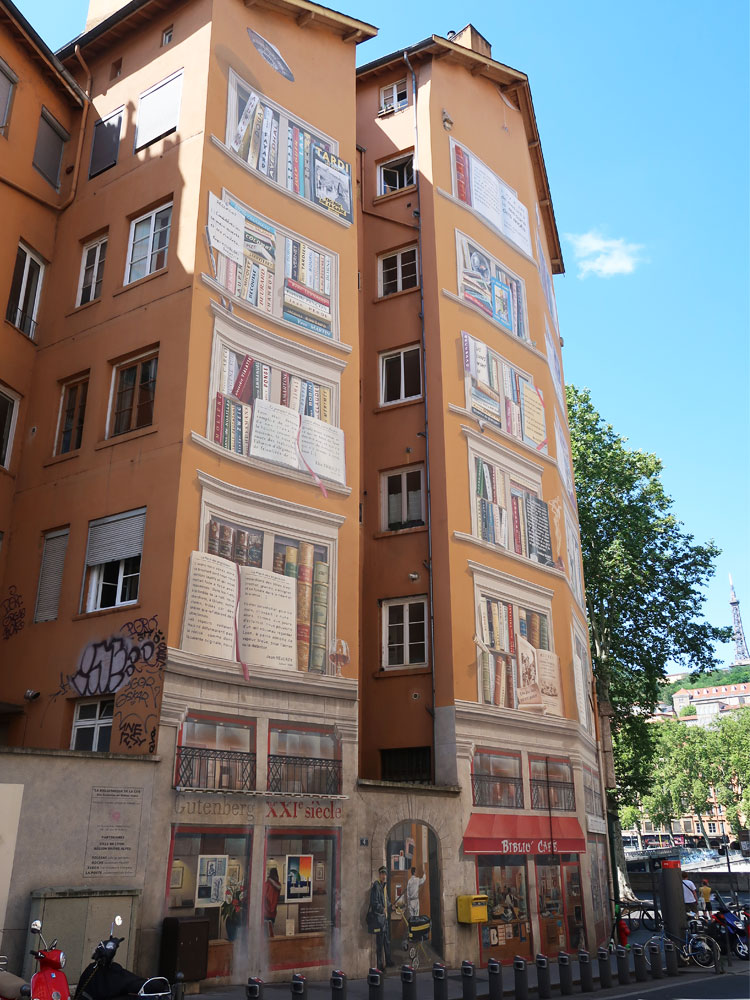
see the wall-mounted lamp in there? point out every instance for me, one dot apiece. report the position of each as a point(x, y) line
point(31, 695)
point(414, 577)
point(447, 121)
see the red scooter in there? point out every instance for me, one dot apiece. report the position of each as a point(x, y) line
point(48, 982)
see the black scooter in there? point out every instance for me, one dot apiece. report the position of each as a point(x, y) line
point(105, 979)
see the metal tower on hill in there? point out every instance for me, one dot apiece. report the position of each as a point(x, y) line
point(738, 633)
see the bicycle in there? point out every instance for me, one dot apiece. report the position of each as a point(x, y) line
point(695, 946)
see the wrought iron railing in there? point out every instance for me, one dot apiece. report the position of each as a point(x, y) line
point(303, 774)
point(493, 790)
point(220, 770)
point(25, 323)
point(552, 794)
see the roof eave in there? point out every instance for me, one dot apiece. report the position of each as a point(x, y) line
point(44, 53)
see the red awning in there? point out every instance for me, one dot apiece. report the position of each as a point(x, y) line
point(490, 833)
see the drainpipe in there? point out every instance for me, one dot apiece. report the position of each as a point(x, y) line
point(430, 590)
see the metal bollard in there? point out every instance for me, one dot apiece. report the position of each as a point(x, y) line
point(439, 981)
point(544, 990)
point(178, 990)
point(254, 989)
point(654, 955)
point(587, 976)
point(605, 968)
point(639, 964)
point(520, 979)
point(299, 986)
point(623, 967)
point(670, 956)
point(566, 974)
point(338, 985)
point(408, 983)
point(495, 979)
point(375, 984)
point(468, 981)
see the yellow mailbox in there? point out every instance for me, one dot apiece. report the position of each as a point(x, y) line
point(472, 909)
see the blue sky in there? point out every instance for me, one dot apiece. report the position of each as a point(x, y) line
point(643, 115)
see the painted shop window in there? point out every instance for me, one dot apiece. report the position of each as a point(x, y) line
point(105, 146)
point(496, 780)
point(92, 271)
point(503, 395)
point(50, 145)
point(25, 290)
point(582, 674)
point(92, 725)
point(402, 498)
point(488, 285)
point(272, 270)
point(158, 111)
point(304, 759)
point(8, 417)
point(400, 375)
point(504, 879)
point(393, 175)
point(573, 546)
point(113, 560)
point(301, 899)
point(397, 271)
point(72, 415)
point(134, 392)
point(393, 97)
point(592, 788)
point(148, 243)
point(50, 575)
point(561, 922)
point(209, 877)
point(552, 784)
point(8, 81)
point(599, 880)
point(404, 641)
point(414, 845)
point(216, 754)
point(286, 151)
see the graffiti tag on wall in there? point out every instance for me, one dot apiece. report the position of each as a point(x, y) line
point(12, 613)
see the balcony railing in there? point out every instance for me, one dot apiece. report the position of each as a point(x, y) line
point(25, 323)
point(561, 794)
point(218, 770)
point(492, 790)
point(303, 774)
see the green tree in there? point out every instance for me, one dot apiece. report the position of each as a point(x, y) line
point(683, 774)
point(687, 710)
point(730, 766)
point(644, 578)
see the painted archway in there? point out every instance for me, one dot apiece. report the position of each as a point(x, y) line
point(413, 844)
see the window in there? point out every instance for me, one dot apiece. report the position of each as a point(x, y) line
point(135, 388)
point(402, 498)
point(216, 754)
point(73, 411)
point(92, 725)
point(552, 784)
point(397, 271)
point(504, 879)
point(92, 271)
point(167, 35)
point(113, 559)
point(396, 174)
point(304, 759)
point(496, 780)
point(400, 375)
point(105, 146)
point(8, 416)
point(50, 575)
point(25, 290)
point(410, 764)
point(394, 97)
point(405, 633)
point(489, 286)
point(116, 69)
point(158, 111)
point(592, 788)
point(712, 828)
point(148, 243)
point(50, 143)
point(8, 81)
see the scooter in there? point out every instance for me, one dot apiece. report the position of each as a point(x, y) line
point(735, 930)
point(48, 982)
point(104, 979)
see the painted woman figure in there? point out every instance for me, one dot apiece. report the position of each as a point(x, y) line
point(271, 894)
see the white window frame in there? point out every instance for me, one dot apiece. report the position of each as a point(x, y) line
point(30, 254)
point(397, 161)
point(138, 146)
point(100, 723)
point(167, 36)
point(394, 104)
point(5, 112)
point(134, 222)
point(402, 473)
point(385, 356)
point(404, 602)
point(712, 827)
point(94, 573)
point(398, 254)
point(96, 245)
point(15, 400)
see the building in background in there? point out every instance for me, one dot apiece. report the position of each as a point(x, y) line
point(290, 575)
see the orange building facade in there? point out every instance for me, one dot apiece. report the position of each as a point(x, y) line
point(290, 552)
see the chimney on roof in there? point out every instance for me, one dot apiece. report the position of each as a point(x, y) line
point(100, 10)
point(470, 38)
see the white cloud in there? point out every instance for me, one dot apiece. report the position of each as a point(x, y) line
point(604, 258)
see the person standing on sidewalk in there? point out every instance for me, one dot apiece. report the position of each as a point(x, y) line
point(704, 897)
point(689, 895)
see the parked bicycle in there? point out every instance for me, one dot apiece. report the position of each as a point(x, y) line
point(695, 946)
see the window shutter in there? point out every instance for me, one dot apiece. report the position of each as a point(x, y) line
point(50, 576)
point(158, 111)
point(48, 152)
point(114, 538)
point(6, 85)
point(106, 144)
